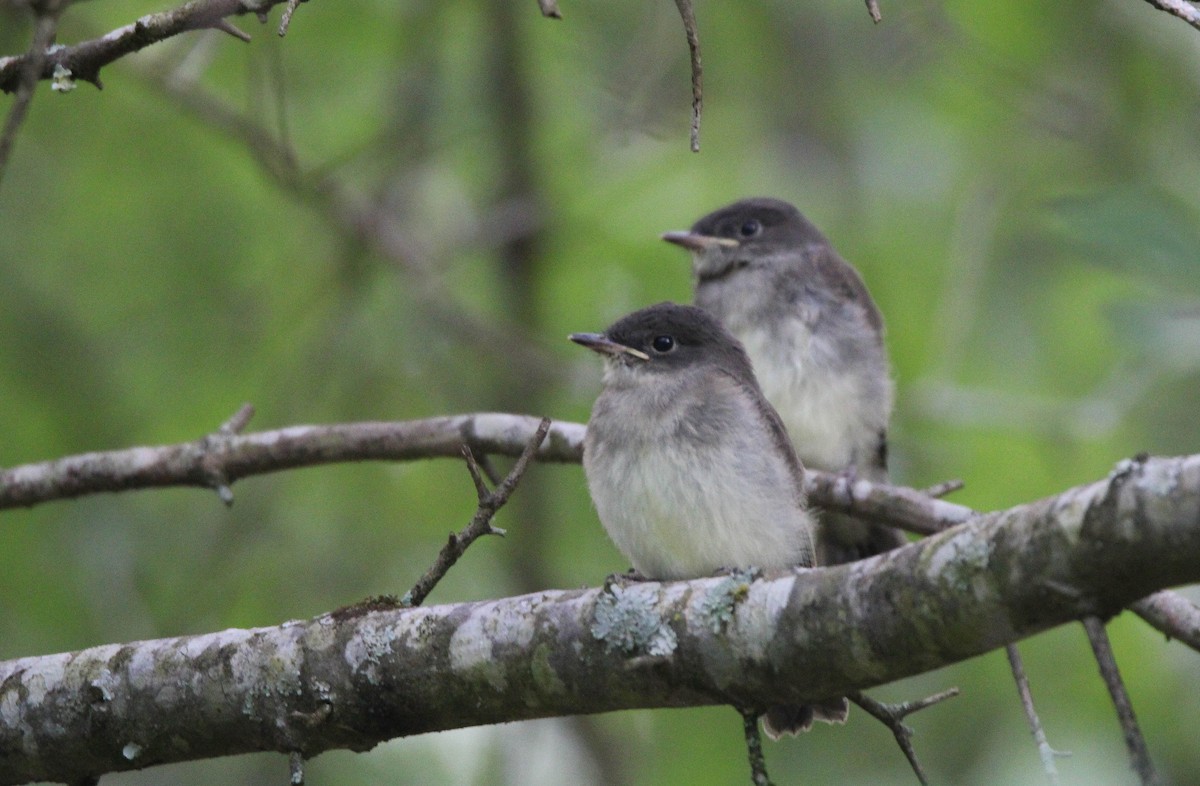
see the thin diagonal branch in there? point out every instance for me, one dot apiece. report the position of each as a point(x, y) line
point(26, 76)
point(1179, 8)
point(481, 523)
point(1046, 753)
point(893, 715)
point(285, 21)
point(1134, 741)
point(945, 488)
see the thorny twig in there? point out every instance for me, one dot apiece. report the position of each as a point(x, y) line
point(1138, 752)
point(481, 524)
point(1035, 723)
point(892, 716)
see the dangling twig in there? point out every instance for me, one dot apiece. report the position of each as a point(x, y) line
point(1138, 752)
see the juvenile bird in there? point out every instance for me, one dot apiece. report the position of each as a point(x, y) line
point(689, 466)
point(815, 338)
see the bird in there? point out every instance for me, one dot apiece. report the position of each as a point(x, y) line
point(815, 338)
point(690, 467)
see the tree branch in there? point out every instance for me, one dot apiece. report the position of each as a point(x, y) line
point(1172, 614)
point(1135, 743)
point(688, 13)
point(1047, 754)
point(353, 678)
point(1179, 8)
point(25, 77)
point(85, 59)
point(481, 523)
point(219, 459)
point(224, 456)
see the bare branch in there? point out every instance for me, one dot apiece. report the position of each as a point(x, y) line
point(754, 749)
point(228, 457)
point(1035, 723)
point(211, 462)
point(1179, 8)
point(85, 59)
point(549, 8)
point(945, 488)
point(296, 769)
point(481, 524)
point(693, 38)
point(893, 715)
point(1134, 741)
point(372, 672)
point(1172, 614)
point(26, 78)
point(905, 508)
point(285, 21)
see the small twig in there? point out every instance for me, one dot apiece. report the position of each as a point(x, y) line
point(286, 20)
point(1035, 723)
point(1180, 8)
point(481, 489)
point(225, 26)
point(481, 523)
point(31, 70)
point(693, 38)
point(550, 9)
point(238, 420)
point(873, 10)
point(296, 768)
point(210, 461)
point(754, 749)
point(1172, 614)
point(217, 480)
point(1138, 752)
point(489, 469)
point(892, 716)
point(939, 490)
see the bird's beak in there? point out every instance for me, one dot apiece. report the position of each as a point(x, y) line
point(693, 242)
point(598, 342)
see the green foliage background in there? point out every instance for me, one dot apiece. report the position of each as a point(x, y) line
point(1017, 181)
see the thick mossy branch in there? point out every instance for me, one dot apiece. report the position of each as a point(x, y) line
point(364, 675)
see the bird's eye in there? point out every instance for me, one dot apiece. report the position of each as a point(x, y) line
point(751, 228)
point(663, 343)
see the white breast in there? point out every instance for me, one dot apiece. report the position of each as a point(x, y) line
point(833, 416)
point(722, 503)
